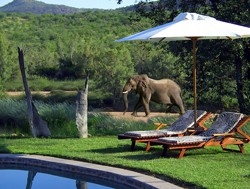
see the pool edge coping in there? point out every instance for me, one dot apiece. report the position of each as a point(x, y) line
point(113, 174)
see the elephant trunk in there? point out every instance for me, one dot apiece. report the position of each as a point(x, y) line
point(125, 100)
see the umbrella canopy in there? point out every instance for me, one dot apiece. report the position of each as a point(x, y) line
point(191, 26)
point(186, 26)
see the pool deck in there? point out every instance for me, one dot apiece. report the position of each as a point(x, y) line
point(129, 179)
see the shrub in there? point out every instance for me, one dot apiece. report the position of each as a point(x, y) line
point(60, 118)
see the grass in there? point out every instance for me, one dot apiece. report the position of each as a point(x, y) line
point(202, 168)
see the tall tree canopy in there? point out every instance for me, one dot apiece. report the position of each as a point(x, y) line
point(223, 67)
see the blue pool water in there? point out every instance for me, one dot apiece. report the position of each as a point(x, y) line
point(23, 171)
point(25, 179)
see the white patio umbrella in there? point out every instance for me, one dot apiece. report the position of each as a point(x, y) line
point(191, 26)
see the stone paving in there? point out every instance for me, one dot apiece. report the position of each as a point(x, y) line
point(126, 178)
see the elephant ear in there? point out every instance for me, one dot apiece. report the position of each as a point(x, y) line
point(146, 84)
point(144, 77)
point(143, 84)
point(139, 88)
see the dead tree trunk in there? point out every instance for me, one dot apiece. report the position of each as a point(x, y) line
point(39, 127)
point(82, 111)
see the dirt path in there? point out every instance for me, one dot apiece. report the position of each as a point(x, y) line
point(141, 115)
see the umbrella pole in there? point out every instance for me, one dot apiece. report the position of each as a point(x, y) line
point(194, 40)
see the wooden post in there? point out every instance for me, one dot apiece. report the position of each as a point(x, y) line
point(38, 126)
point(82, 110)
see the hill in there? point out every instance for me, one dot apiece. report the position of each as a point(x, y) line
point(37, 7)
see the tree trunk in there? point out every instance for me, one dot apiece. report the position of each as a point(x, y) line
point(39, 127)
point(239, 84)
point(82, 111)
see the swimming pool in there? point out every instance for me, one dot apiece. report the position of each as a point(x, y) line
point(15, 178)
point(78, 170)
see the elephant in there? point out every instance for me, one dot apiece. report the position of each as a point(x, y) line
point(163, 91)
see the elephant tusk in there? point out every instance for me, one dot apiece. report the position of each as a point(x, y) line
point(124, 92)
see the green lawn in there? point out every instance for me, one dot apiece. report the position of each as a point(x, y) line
point(203, 168)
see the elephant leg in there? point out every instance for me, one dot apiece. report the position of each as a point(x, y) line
point(179, 103)
point(137, 106)
point(146, 107)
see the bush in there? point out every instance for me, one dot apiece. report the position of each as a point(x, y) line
point(13, 116)
point(60, 118)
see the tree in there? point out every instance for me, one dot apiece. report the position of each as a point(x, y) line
point(112, 70)
point(222, 54)
point(7, 65)
point(38, 126)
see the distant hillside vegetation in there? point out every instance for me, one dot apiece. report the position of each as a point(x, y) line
point(37, 7)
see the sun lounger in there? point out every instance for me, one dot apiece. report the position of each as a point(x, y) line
point(226, 130)
point(180, 127)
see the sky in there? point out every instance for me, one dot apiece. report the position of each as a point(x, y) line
point(102, 4)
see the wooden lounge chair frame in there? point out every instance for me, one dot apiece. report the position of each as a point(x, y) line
point(148, 139)
point(226, 139)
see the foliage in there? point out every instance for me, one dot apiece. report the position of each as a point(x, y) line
point(60, 54)
point(44, 84)
point(231, 59)
point(66, 47)
point(60, 118)
point(13, 117)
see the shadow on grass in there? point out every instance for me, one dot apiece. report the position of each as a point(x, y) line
point(140, 154)
point(156, 152)
point(247, 176)
point(4, 149)
point(14, 137)
point(112, 150)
